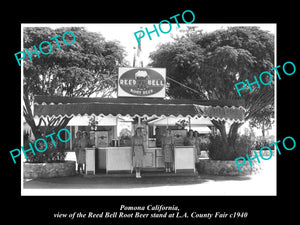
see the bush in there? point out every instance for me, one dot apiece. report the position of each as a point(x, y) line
point(204, 146)
point(51, 154)
point(218, 151)
point(258, 144)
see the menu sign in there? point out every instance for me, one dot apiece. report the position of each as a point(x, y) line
point(178, 136)
point(101, 138)
point(142, 82)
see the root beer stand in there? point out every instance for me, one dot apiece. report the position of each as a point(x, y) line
point(141, 102)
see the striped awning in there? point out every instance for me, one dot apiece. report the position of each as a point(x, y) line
point(48, 106)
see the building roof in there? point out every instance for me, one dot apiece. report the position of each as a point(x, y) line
point(48, 106)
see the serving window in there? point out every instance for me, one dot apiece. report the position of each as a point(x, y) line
point(156, 133)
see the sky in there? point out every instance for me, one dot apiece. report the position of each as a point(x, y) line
point(124, 33)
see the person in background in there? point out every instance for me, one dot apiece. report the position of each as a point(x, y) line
point(158, 137)
point(189, 139)
point(197, 146)
point(83, 143)
point(138, 151)
point(168, 150)
point(76, 145)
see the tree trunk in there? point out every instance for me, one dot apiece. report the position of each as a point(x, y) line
point(54, 124)
point(220, 125)
point(230, 138)
point(27, 113)
point(263, 130)
point(233, 133)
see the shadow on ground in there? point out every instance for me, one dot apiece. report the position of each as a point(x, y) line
point(80, 182)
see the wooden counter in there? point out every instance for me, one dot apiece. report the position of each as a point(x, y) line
point(108, 159)
point(184, 159)
point(115, 159)
point(119, 159)
point(90, 161)
point(153, 158)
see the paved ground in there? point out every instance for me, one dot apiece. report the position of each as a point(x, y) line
point(79, 182)
point(260, 184)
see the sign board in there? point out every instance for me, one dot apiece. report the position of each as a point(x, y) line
point(101, 138)
point(178, 136)
point(142, 82)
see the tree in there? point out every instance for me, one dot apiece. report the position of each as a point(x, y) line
point(211, 63)
point(263, 120)
point(88, 66)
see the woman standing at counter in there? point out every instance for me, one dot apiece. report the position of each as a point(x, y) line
point(138, 151)
point(168, 150)
point(83, 143)
point(190, 140)
point(197, 145)
point(77, 148)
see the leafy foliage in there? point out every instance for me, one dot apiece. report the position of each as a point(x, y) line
point(212, 63)
point(217, 150)
point(51, 154)
point(88, 66)
point(263, 119)
point(93, 122)
point(262, 142)
point(182, 123)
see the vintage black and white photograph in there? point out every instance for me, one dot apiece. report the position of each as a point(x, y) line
point(149, 109)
